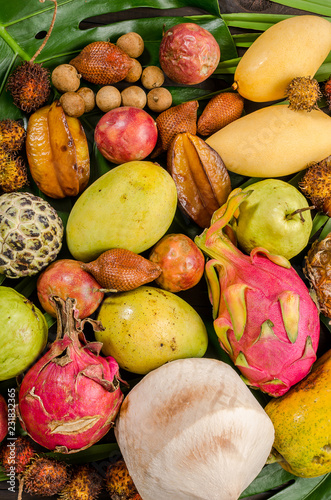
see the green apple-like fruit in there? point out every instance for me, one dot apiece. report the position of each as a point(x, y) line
point(24, 333)
point(274, 216)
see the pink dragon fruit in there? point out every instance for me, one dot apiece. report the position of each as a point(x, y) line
point(69, 399)
point(263, 314)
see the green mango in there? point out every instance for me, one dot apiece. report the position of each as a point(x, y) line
point(302, 422)
point(24, 333)
point(147, 327)
point(131, 207)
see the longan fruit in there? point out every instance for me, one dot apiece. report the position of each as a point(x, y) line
point(89, 98)
point(152, 77)
point(134, 72)
point(65, 78)
point(72, 104)
point(159, 99)
point(107, 98)
point(134, 96)
point(132, 44)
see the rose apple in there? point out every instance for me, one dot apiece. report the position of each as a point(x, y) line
point(181, 261)
point(188, 54)
point(3, 418)
point(125, 134)
point(274, 216)
point(65, 278)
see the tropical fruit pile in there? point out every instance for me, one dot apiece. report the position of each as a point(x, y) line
point(164, 265)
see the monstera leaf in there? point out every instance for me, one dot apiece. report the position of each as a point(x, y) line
point(23, 25)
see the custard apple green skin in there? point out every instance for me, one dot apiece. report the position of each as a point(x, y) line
point(24, 333)
point(263, 314)
point(267, 219)
point(31, 234)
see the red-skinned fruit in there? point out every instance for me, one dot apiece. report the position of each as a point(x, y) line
point(72, 392)
point(3, 418)
point(181, 261)
point(16, 458)
point(188, 54)
point(125, 134)
point(29, 83)
point(327, 91)
point(119, 483)
point(45, 476)
point(66, 278)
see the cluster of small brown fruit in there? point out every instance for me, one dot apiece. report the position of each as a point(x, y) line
point(45, 476)
point(77, 100)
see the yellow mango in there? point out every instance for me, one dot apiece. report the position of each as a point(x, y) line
point(296, 46)
point(273, 141)
point(131, 206)
point(302, 422)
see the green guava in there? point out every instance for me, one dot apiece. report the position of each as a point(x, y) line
point(274, 216)
point(24, 333)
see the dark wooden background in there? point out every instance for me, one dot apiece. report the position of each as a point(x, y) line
point(226, 6)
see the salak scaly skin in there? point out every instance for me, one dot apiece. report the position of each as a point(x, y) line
point(263, 314)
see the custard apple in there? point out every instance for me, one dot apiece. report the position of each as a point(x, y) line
point(31, 234)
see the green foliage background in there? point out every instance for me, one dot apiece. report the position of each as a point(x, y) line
point(20, 23)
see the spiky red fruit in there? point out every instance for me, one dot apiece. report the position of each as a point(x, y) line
point(327, 91)
point(85, 484)
point(303, 93)
point(29, 84)
point(12, 135)
point(13, 172)
point(45, 477)
point(119, 483)
point(17, 454)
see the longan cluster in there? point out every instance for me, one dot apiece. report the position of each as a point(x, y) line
point(77, 100)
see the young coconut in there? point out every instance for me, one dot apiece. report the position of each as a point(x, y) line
point(192, 429)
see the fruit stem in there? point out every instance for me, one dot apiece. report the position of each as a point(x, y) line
point(274, 457)
point(20, 487)
point(299, 211)
point(49, 31)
